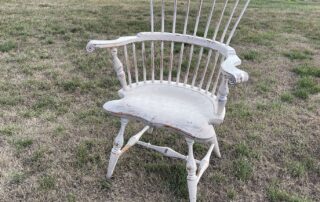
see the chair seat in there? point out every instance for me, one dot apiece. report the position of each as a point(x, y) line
point(189, 112)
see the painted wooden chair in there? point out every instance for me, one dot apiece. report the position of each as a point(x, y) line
point(166, 88)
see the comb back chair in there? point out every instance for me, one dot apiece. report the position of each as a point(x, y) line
point(167, 88)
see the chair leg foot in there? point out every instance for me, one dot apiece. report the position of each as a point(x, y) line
point(192, 178)
point(192, 188)
point(114, 156)
point(116, 150)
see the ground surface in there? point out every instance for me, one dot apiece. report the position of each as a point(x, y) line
point(55, 139)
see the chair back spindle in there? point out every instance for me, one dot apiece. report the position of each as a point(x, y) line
point(162, 44)
point(127, 64)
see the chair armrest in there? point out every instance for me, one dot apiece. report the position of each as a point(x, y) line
point(229, 68)
point(93, 44)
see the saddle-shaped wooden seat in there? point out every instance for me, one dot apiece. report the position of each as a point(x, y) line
point(181, 108)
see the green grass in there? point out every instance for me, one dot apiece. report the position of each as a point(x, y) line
point(46, 102)
point(251, 55)
point(306, 86)
point(7, 46)
point(264, 86)
point(307, 70)
point(287, 97)
point(8, 130)
point(71, 197)
point(23, 143)
point(243, 150)
point(218, 178)
point(105, 184)
point(173, 176)
point(17, 177)
point(296, 169)
point(38, 155)
point(264, 106)
point(59, 130)
point(11, 100)
point(242, 169)
point(51, 103)
point(265, 38)
point(231, 194)
point(240, 110)
point(71, 85)
point(275, 194)
point(46, 182)
point(299, 55)
point(84, 155)
point(300, 168)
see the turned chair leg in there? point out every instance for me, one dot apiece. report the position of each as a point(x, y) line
point(216, 148)
point(116, 150)
point(191, 169)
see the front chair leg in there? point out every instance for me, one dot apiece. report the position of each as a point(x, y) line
point(116, 149)
point(191, 169)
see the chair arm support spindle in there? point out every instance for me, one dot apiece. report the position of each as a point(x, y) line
point(118, 67)
point(223, 92)
point(230, 75)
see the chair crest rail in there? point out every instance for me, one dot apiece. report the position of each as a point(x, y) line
point(225, 50)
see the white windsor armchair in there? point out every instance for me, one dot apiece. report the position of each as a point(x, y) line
point(183, 95)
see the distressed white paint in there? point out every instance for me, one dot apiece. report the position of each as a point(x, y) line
point(116, 150)
point(162, 44)
point(204, 163)
point(183, 107)
point(165, 36)
point(118, 68)
point(170, 106)
point(192, 178)
point(134, 139)
point(167, 151)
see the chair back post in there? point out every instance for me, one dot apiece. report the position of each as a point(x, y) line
point(118, 68)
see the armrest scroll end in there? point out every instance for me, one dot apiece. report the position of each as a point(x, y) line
point(90, 47)
point(234, 74)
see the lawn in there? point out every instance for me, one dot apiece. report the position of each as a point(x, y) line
point(55, 138)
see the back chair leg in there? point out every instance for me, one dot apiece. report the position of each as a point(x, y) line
point(116, 150)
point(216, 149)
point(191, 169)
